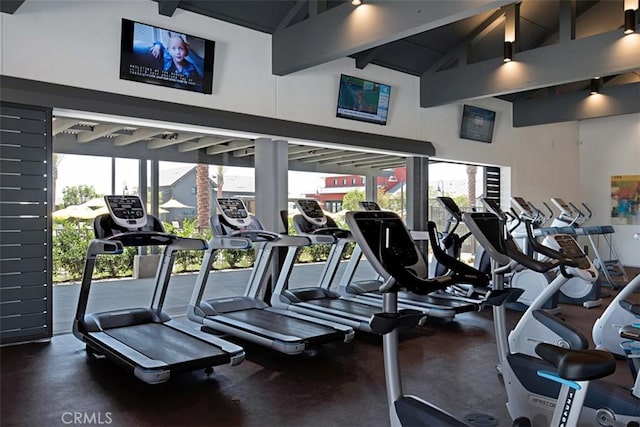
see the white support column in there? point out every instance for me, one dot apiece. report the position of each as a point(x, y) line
point(418, 196)
point(271, 167)
point(371, 188)
point(272, 185)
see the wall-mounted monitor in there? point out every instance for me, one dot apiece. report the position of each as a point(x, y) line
point(364, 100)
point(164, 57)
point(477, 124)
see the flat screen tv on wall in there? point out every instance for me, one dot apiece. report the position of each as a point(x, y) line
point(477, 124)
point(364, 100)
point(164, 57)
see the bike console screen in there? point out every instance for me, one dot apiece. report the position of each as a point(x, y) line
point(126, 211)
point(234, 211)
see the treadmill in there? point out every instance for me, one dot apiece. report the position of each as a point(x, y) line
point(145, 341)
point(319, 300)
point(248, 316)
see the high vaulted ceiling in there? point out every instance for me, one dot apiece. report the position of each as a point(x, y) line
point(566, 43)
point(454, 47)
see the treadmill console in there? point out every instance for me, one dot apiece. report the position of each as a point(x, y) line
point(234, 211)
point(311, 211)
point(369, 206)
point(126, 211)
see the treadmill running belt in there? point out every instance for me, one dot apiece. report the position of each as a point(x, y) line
point(160, 342)
point(283, 324)
point(346, 306)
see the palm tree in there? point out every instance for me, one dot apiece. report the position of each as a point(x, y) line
point(202, 192)
point(471, 184)
point(57, 158)
point(220, 180)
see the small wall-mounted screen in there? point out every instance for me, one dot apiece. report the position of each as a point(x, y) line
point(164, 57)
point(364, 100)
point(477, 124)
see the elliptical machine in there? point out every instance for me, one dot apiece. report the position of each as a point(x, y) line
point(532, 282)
point(451, 242)
point(575, 291)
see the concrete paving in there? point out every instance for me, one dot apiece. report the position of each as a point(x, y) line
point(117, 294)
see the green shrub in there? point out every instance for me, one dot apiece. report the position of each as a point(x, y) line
point(70, 243)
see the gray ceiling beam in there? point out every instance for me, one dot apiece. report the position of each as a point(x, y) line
point(231, 146)
point(293, 12)
point(363, 159)
point(10, 6)
point(581, 59)
point(346, 30)
point(61, 124)
point(167, 7)
point(567, 20)
point(98, 132)
point(296, 149)
point(469, 40)
point(331, 169)
point(31, 92)
point(137, 135)
point(342, 158)
point(311, 152)
point(312, 155)
point(204, 142)
point(173, 139)
point(364, 58)
point(611, 101)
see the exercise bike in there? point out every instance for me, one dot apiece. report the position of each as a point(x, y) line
point(393, 254)
point(605, 403)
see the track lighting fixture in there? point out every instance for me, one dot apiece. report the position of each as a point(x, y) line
point(629, 21)
point(508, 51)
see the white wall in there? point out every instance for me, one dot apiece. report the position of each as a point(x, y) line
point(77, 44)
point(610, 146)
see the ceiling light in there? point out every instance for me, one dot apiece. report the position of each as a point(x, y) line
point(595, 85)
point(356, 2)
point(629, 21)
point(508, 51)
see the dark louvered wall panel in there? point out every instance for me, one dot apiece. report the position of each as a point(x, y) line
point(25, 227)
point(492, 183)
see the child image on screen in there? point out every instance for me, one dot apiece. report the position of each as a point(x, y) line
point(174, 57)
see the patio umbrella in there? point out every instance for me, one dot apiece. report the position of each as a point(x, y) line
point(175, 204)
point(75, 211)
point(96, 202)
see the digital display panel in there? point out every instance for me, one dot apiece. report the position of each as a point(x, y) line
point(477, 124)
point(233, 208)
point(364, 100)
point(164, 57)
